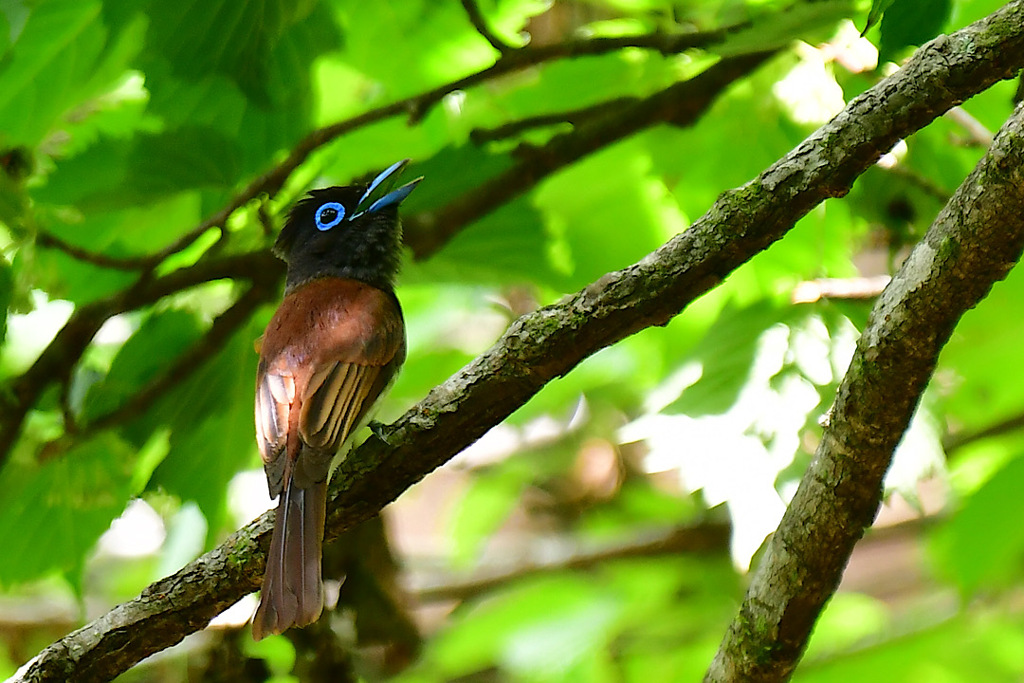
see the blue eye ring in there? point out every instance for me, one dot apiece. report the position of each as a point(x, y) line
point(329, 215)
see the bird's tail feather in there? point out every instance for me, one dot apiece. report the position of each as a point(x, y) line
point(292, 587)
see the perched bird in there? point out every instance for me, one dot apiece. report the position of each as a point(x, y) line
point(331, 350)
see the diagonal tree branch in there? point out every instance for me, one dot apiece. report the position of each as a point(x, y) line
point(974, 242)
point(548, 343)
point(682, 104)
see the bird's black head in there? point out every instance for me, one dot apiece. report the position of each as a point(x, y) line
point(351, 231)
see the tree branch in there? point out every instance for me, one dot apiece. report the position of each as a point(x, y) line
point(682, 104)
point(1007, 426)
point(705, 538)
point(973, 243)
point(575, 117)
point(550, 342)
point(46, 239)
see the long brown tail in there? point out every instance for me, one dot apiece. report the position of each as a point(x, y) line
point(292, 587)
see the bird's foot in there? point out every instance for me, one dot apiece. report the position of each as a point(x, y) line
point(378, 431)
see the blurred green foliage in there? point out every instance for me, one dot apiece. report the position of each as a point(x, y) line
point(123, 125)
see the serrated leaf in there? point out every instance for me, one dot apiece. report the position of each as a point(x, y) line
point(55, 511)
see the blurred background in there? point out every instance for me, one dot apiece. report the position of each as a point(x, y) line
point(605, 531)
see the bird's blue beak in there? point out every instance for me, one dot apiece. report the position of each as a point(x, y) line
point(380, 195)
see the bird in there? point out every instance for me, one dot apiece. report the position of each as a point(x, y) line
point(331, 350)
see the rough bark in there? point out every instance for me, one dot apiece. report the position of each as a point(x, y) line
point(974, 242)
point(552, 341)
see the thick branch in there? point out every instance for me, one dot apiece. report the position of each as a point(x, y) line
point(973, 243)
point(550, 342)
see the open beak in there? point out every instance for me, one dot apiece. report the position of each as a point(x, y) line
point(380, 195)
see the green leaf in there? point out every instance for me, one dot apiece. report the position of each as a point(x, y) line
point(982, 545)
point(65, 277)
point(259, 125)
point(606, 212)
point(437, 43)
point(484, 506)
point(464, 168)
point(875, 13)
point(911, 22)
point(42, 57)
point(985, 344)
point(55, 511)
point(727, 356)
point(212, 432)
point(146, 354)
point(542, 628)
point(776, 27)
point(228, 38)
point(118, 174)
point(68, 51)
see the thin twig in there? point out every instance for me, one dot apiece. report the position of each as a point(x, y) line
point(57, 361)
point(851, 288)
point(922, 182)
point(954, 442)
point(705, 538)
point(480, 24)
point(575, 117)
point(977, 134)
point(103, 260)
point(681, 102)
